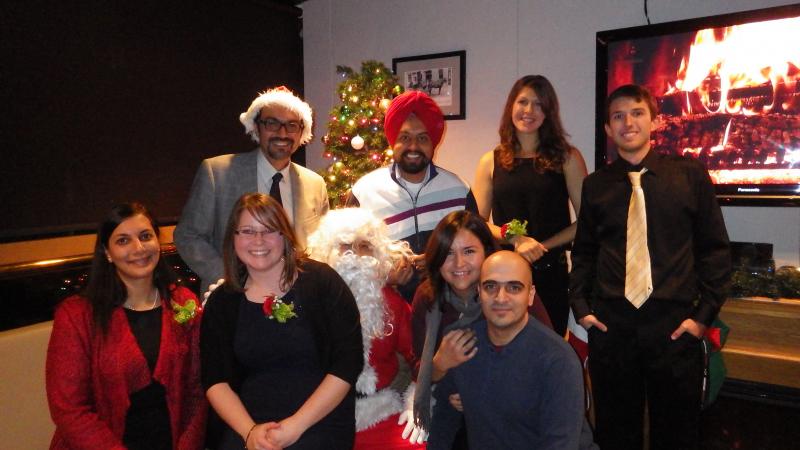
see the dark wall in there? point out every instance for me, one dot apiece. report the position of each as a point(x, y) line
point(105, 102)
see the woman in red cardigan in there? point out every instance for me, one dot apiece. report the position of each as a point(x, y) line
point(123, 366)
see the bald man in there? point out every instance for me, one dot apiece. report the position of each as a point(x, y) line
point(523, 388)
point(413, 194)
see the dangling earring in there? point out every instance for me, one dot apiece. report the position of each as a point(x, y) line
point(109, 260)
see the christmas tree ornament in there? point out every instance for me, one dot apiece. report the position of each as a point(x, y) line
point(357, 142)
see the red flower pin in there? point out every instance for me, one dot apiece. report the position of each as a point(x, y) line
point(275, 308)
point(267, 306)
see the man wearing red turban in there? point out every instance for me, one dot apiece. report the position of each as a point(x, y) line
point(412, 194)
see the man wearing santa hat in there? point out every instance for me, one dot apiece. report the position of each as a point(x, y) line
point(279, 122)
point(412, 194)
point(356, 244)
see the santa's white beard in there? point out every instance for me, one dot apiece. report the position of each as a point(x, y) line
point(362, 275)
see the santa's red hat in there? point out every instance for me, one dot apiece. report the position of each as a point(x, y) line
point(279, 96)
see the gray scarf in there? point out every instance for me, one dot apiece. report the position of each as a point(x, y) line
point(470, 310)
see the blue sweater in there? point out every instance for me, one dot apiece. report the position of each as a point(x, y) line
point(527, 395)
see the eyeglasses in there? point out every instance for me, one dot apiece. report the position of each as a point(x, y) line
point(251, 233)
point(360, 247)
point(273, 124)
point(492, 287)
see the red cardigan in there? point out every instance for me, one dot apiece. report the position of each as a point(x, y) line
point(90, 377)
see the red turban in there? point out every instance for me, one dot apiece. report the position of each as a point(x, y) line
point(420, 105)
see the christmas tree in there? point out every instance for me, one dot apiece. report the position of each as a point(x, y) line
point(355, 142)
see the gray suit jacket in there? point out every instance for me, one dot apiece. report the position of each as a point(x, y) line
point(218, 184)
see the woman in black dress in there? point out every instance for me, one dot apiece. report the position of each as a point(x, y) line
point(280, 341)
point(534, 174)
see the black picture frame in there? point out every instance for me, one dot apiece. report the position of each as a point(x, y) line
point(440, 75)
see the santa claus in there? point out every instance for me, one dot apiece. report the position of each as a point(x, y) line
point(355, 244)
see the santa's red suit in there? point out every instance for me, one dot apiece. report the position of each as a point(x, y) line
point(378, 407)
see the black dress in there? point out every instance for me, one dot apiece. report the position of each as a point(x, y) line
point(147, 421)
point(542, 199)
point(274, 367)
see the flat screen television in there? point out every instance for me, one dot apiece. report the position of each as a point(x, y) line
point(728, 92)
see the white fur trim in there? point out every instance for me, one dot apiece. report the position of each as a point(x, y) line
point(376, 408)
point(408, 396)
point(278, 97)
point(367, 380)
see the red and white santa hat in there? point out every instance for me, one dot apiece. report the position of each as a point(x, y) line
point(279, 96)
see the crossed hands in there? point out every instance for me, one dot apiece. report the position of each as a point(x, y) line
point(273, 435)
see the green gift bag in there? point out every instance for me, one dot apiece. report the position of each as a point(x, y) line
point(714, 369)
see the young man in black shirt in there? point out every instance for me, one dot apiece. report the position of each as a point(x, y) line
point(648, 298)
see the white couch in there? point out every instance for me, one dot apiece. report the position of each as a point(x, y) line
point(25, 422)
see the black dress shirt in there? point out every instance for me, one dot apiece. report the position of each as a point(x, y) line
point(686, 236)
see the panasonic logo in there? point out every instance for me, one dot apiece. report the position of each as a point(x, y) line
point(748, 189)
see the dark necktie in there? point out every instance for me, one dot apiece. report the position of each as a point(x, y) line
point(275, 190)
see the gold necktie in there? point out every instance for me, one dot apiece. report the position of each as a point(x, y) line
point(638, 279)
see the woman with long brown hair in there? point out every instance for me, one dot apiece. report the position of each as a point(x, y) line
point(123, 364)
point(533, 175)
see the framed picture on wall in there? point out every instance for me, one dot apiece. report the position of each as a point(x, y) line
point(440, 75)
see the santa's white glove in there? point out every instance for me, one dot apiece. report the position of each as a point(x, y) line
point(414, 434)
point(211, 288)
